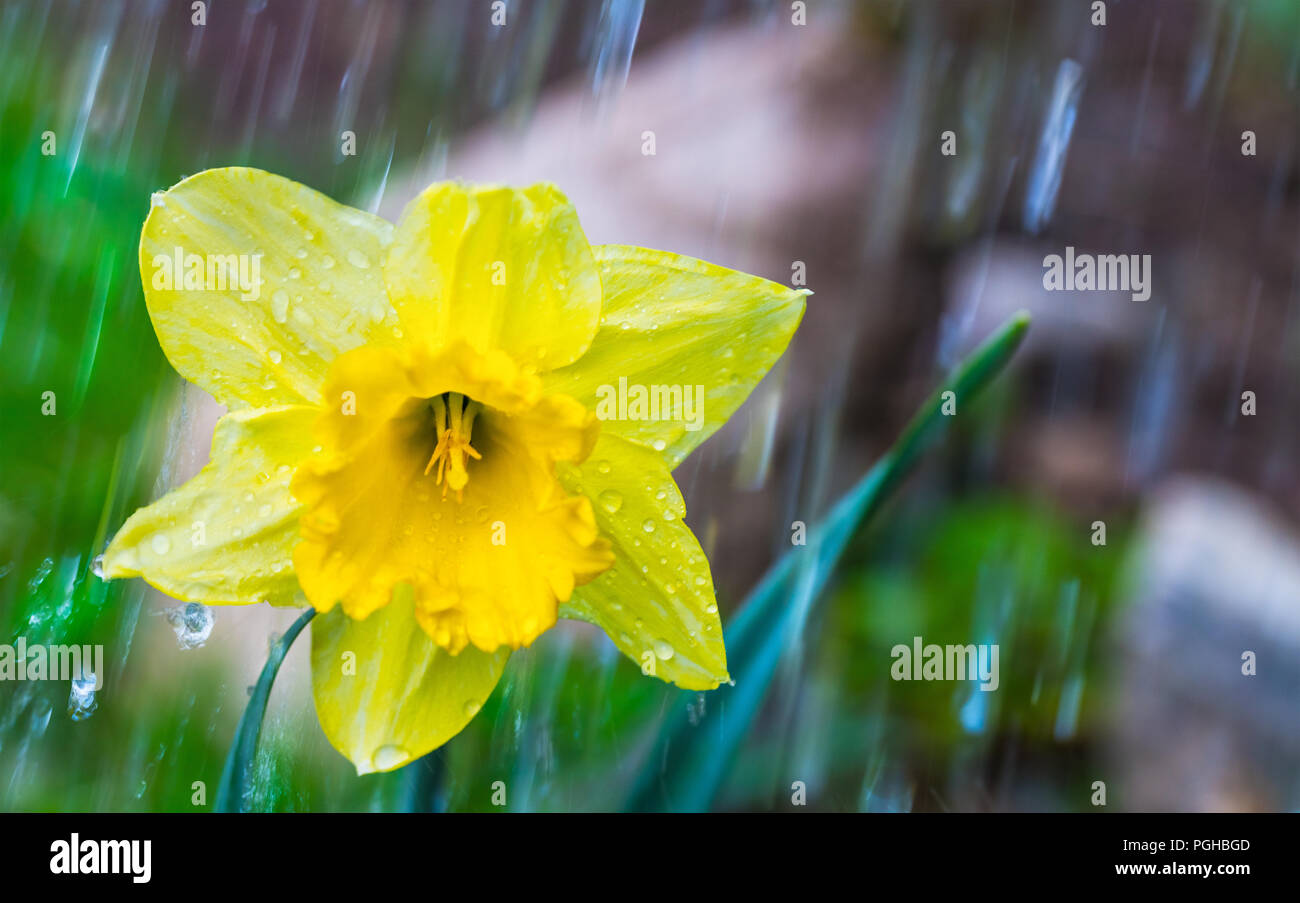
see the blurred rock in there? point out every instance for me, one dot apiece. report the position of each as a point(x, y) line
point(1218, 574)
point(990, 281)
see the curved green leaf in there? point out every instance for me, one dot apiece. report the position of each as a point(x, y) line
point(239, 761)
point(694, 759)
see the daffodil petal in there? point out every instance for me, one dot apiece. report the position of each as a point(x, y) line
point(499, 268)
point(674, 321)
point(385, 693)
point(656, 602)
point(321, 291)
point(226, 536)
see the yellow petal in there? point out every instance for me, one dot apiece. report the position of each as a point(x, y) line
point(656, 602)
point(385, 694)
point(321, 288)
point(226, 536)
point(499, 268)
point(674, 321)
point(489, 556)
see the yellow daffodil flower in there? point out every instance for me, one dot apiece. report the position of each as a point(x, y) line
point(416, 446)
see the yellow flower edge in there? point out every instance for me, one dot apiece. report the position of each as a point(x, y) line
point(422, 442)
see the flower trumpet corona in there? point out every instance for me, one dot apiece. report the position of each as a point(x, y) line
point(415, 444)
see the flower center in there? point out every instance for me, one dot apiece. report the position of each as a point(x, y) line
point(453, 418)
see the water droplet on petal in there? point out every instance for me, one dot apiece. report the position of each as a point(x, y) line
point(648, 526)
point(358, 260)
point(280, 305)
point(663, 650)
point(161, 544)
point(389, 757)
point(611, 500)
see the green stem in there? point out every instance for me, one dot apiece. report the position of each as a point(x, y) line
point(239, 761)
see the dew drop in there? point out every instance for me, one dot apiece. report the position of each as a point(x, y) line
point(603, 467)
point(663, 650)
point(161, 544)
point(389, 756)
point(280, 306)
point(274, 356)
point(610, 500)
point(358, 260)
point(471, 708)
point(648, 526)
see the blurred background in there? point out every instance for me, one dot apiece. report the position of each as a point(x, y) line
point(796, 141)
